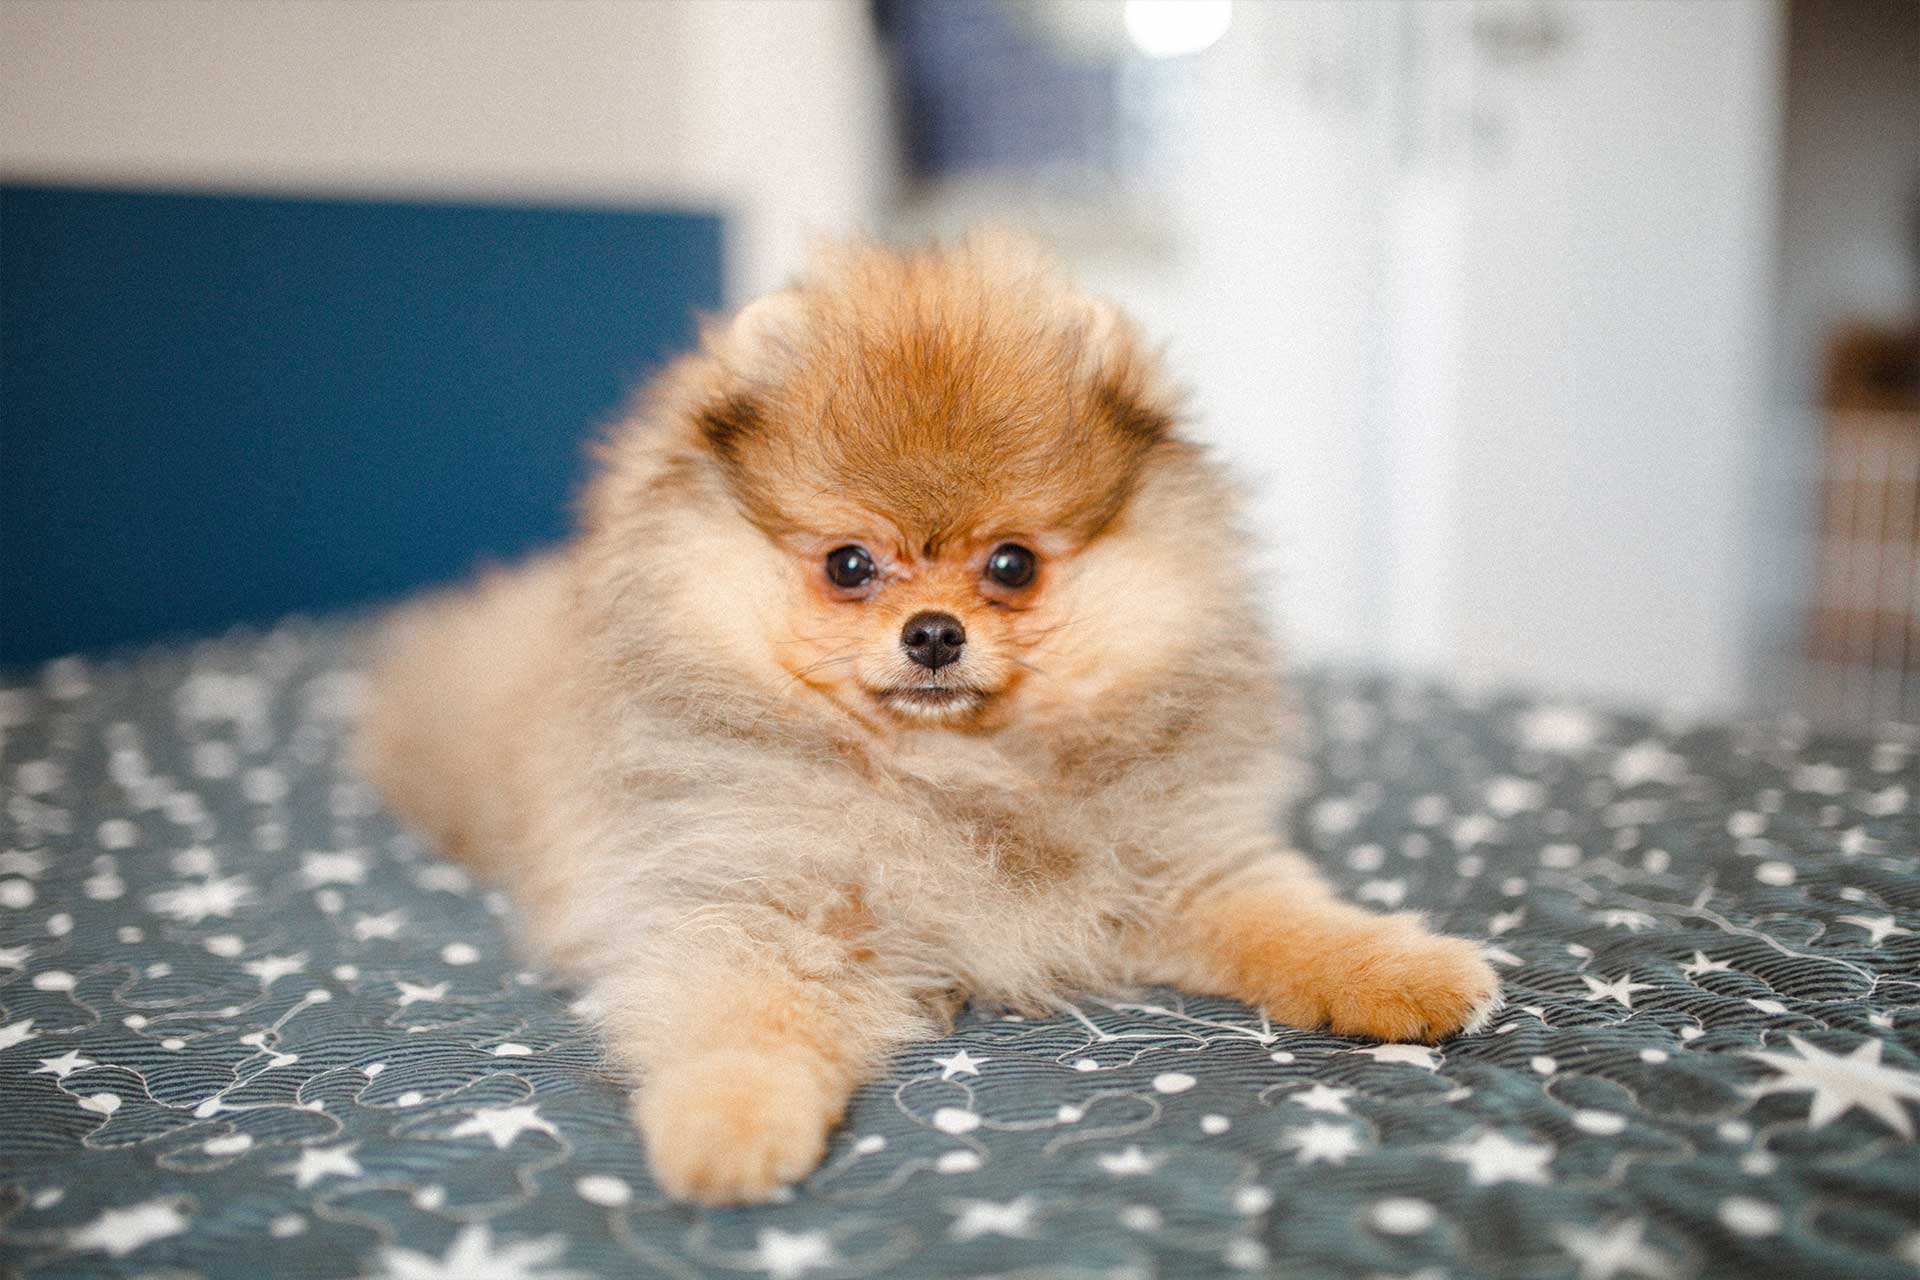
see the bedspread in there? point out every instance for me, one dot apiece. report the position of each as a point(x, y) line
point(249, 1028)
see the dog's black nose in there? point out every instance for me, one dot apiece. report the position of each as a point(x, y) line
point(933, 639)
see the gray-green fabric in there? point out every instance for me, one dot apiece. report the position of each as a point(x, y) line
point(249, 1029)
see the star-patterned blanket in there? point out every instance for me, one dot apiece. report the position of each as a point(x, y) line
point(249, 1028)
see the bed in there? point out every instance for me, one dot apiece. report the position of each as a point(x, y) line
point(249, 1027)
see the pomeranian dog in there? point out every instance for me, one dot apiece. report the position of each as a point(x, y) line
point(907, 653)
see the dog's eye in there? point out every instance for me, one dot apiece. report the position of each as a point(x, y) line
point(1011, 565)
point(850, 567)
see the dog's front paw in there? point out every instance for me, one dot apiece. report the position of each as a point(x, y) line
point(1400, 982)
point(735, 1126)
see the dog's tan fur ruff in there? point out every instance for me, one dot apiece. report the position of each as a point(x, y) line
point(690, 757)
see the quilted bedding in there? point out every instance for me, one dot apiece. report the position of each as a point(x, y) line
point(248, 1028)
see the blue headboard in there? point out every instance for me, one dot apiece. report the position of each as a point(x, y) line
point(219, 409)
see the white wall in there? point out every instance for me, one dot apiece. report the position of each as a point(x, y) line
point(1264, 269)
point(1491, 332)
point(1614, 363)
point(766, 109)
point(1273, 306)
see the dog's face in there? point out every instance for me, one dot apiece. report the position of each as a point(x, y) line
point(947, 463)
point(923, 635)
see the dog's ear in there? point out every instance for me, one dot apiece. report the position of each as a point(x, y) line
point(764, 336)
point(747, 355)
point(726, 420)
point(1104, 331)
point(1122, 375)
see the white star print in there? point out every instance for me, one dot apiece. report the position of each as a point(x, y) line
point(190, 904)
point(1494, 1157)
point(197, 861)
point(381, 926)
point(1631, 921)
point(1323, 1098)
point(1412, 1055)
point(270, 969)
point(961, 1064)
point(1388, 893)
point(1879, 928)
point(1323, 1142)
point(1613, 1251)
point(1559, 729)
point(1856, 841)
point(316, 1163)
point(505, 1124)
point(1887, 802)
point(17, 1033)
point(1821, 779)
point(444, 877)
point(1700, 964)
point(1131, 1161)
point(101, 1104)
point(785, 1255)
point(1620, 990)
point(120, 1232)
point(1508, 796)
point(1647, 761)
point(473, 1255)
point(347, 867)
point(64, 1065)
point(411, 994)
point(1841, 1082)
point(1475, 828)
point(985, 1217)
point(21, 862)
point(1334, 815)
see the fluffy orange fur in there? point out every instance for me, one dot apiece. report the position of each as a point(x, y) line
point(773, 844)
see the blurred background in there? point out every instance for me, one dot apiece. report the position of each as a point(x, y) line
point(1568, 343)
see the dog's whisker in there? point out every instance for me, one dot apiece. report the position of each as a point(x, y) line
point(822, 664)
